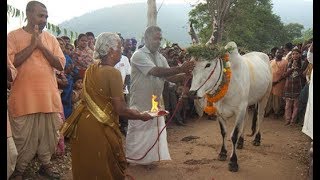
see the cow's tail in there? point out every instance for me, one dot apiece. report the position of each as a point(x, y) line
point(254, 120)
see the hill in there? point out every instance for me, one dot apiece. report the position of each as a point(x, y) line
point(130, 19)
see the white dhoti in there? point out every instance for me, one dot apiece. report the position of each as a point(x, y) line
point(140, 138)
point(308, 117)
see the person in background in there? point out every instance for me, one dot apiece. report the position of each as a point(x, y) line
point(66, 39)
point(287, 51)
point(149, 70)
point(273, 52)
point(34, 101)
point(127, 46)
point(308, 118)
point(97, 149)
point(69, 49)
point(169, 94)
point(12, 153)
point(76, 93)
point(134, 45)
point(91, 40)
point(125, 69)
point(293, 86)
point(67, 89)
point(278, 68)
point(62, 82)
point(75, 43)
point(83, 55)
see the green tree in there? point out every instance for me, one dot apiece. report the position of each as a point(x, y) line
point(306, 35)
point(201, 20)
point(294, 30)
point(250, 23)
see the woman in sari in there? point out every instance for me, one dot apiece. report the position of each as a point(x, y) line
point(97, 148)
point(82, 55)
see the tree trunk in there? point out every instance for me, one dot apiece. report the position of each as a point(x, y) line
point(218, 10)
point(194, 37)
point(152, 13)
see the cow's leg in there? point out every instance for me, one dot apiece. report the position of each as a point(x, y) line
point(260, 115)
point(261, 110)
point(223, 129)
point(254, 121)
point(238, 128)
point(241, 138)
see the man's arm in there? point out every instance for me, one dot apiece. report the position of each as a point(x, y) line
point(165, 72)
point(53, 60)
point(186, 67)
point(177, 78)
point(23, 55)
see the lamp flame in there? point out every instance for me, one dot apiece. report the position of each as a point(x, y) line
point(154, 104)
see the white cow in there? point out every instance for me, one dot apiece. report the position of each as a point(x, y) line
point(251, 83)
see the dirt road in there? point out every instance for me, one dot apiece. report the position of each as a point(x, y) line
point(283, 155)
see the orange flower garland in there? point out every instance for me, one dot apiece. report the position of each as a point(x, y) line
point(210, 109)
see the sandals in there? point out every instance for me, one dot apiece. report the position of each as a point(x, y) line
point(48, 172)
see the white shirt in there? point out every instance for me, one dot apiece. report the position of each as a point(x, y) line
point(125, 69)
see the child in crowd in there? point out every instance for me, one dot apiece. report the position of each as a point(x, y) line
point(293, 86)
point(76, 94)
point(62, 83)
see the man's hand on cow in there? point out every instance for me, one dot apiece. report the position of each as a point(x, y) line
point(187, 67)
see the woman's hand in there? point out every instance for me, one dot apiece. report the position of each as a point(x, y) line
point(145, 116)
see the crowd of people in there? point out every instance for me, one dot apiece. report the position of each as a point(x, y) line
point(102, 86)
point(291, 77)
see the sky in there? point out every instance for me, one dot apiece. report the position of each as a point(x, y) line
point(60, 10)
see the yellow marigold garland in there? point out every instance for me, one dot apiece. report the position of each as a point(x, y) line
point(210, 109)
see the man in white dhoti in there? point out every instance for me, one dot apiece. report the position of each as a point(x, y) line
point(308, 118)
point(149, 70)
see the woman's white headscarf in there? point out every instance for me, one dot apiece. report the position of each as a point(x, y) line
point(104, 42)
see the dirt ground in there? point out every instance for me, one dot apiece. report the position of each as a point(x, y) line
point(283, 154)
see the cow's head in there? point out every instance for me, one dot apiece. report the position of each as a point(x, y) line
point(207, 75)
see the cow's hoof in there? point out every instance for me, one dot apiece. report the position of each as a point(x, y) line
point(222, 157)
point(233, 167)
point(240, 143)
point(256, 143)
point(240, 146)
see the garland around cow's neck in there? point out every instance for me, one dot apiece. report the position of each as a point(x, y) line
point(222, 89)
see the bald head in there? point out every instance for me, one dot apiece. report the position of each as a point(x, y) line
point(32, 4)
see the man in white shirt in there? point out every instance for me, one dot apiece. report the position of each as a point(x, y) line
point(125, 69)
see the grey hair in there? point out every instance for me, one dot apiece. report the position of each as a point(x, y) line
point(151, 30)
point(105, 41)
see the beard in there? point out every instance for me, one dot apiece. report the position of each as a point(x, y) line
point(41, 26)
point(154, 48)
